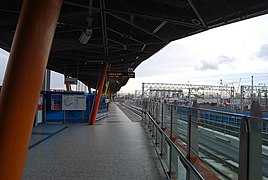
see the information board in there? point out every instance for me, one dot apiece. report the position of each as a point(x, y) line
point(121, 74)
point(73, 102)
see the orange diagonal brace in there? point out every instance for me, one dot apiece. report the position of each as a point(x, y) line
point(97, 103)
point(23, 80)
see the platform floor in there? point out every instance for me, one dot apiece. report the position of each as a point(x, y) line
point(115, 148)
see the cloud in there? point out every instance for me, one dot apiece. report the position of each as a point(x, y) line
point(206, 66)
point(263, 52)
point(225, 59)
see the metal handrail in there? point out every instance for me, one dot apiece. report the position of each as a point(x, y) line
point(246, 124)
point(183, 158)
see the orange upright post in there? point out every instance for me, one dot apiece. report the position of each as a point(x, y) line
point(97, 103)
point(23, 80)
point(68, 87)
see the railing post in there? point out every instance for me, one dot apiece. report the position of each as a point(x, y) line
point(162, 115)
point(170, 147)
point(155, 104)
point(156, 111)
point(145, 118)
point(171, 121)
point(162, 126)
point(153, 109)
point(170, 161)
point(243, 150)
point(250, 148)
point(192, 136)
point(156, 137)
point(152, 130)
point(151, 113)
point(142, 115)
point(189, 133)
point(173, 159)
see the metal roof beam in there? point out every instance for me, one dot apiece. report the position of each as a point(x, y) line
point(74, 14)
point(76, 46)
point(149, 43)
point(143, 47)
point(136, 26)
point(104, 30)
point(228, 5)
point(121, 34)
point(9, 11)
point(159, 27)
point(123, 45)
point(79, 5)
point(133, 50)
point(4, 45)
point(172, 21)
point(69, 30)
point(124, 55)
point(81, 50)
point(78, 58)
point(197, 13)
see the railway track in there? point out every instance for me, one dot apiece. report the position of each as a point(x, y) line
point(133, 109)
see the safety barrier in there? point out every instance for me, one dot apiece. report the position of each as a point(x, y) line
point(194, 145)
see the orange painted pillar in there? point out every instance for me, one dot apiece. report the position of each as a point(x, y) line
point(97, 103)
point(23, 80)
point(68, 87)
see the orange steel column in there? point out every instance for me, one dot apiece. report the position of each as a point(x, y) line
point(97, 103)
point(23, 80)
point(68, 87)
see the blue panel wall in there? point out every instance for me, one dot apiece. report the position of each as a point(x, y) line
point(58, 115)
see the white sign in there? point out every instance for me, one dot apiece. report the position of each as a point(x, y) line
point(73, 102)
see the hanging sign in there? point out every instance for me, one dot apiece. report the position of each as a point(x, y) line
point(69, 80)
point(121, 74)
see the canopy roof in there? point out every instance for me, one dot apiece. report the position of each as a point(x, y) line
point(124, 32)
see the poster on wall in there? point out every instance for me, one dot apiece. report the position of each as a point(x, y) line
point(73, 102)
point(55, 101)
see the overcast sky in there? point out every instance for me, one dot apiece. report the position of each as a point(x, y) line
point(231, 52)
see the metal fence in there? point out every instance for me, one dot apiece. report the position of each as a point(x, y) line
point(196, 143)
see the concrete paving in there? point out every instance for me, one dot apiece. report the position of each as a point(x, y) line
point(115, 148)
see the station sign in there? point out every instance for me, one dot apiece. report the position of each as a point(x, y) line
point(121, 74)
